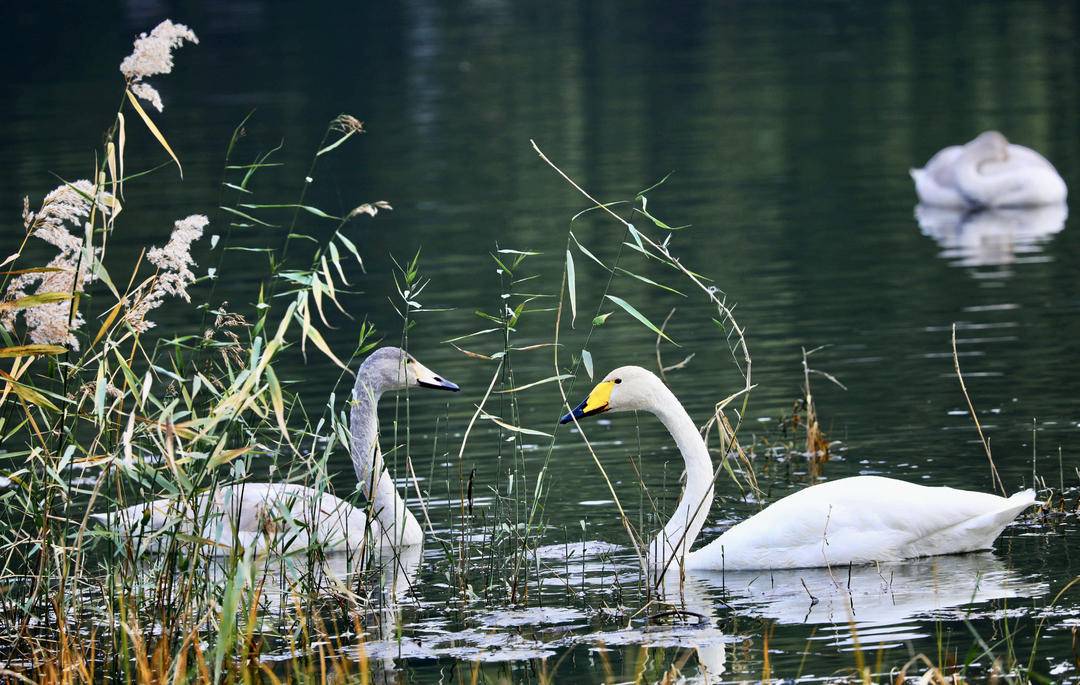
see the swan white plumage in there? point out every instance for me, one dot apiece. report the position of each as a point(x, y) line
point(854, 520)
point(285, 517)
point(988, 172)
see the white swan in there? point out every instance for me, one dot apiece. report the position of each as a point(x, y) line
point(289, 517)
point(848, 521)
point(988, 172)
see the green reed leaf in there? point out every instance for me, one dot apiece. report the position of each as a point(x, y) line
point(307, 208)
point(649, 281)
point(244, 215)
point(585, 251)
point(632, 311)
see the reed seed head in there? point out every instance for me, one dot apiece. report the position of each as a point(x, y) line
point(153, 56)
point(65, 208)
point(347, 123)
point(174, 264)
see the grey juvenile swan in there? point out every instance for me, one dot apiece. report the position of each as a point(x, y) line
point(287, 517)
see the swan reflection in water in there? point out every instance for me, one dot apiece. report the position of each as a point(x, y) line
point(877, 605)
point(685, 616)
point(882, 602)
point(281, 579)
point(385, 577)
point(991, 237)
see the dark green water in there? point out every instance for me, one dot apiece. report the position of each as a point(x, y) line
point(790, 131)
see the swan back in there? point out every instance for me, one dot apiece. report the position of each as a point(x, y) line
point(861, 520)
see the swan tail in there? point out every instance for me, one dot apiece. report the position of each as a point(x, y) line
point(978, 532)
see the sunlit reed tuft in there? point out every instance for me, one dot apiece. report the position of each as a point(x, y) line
point(65, 208)
point(174, 275)
point(153, 56)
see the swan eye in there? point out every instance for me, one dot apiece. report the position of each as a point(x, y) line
point(618, 380)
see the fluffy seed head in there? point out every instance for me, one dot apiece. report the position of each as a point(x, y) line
point(152, 56)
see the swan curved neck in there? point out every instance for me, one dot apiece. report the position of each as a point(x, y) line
point(981, 174)
point(398, 525)
point(673, 543)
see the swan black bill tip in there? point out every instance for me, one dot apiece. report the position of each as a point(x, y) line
point(580, 412)
point(577, 412)
point(439, 384)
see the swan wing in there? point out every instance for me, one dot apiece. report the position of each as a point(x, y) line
point(935, 183)
point(1022, 178)
point(860, 520)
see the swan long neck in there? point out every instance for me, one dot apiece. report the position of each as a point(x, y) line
point(675, 540)
point(980, 185)
point(397, 523)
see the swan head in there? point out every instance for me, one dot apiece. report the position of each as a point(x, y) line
point(990, 146)
point(392, 368)
point(627, 388)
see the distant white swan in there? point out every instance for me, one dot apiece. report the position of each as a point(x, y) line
point(288, 517)
point(988, 172)
point(848, 521)
point(990, 236)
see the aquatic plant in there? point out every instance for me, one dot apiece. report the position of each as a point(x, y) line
point(99, 416)
point(152, 56)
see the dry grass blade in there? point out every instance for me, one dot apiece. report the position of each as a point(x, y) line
point(154, 130)
point(36, 349)
point(975, 417)
point(110, 318)
point(25, 392)
point(34, 301)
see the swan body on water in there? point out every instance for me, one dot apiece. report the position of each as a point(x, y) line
point(988, 172)
point(855, 520)
point(284, 517)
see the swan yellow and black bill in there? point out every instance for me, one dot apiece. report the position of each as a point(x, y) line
point(595, 403)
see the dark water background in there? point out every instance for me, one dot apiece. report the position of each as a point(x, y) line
point(790, 130)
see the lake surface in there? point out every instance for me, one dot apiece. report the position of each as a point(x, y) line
point(790, 132)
